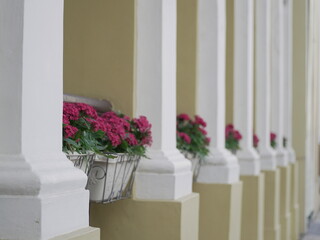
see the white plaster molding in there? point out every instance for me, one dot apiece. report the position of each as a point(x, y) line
point(167, 175)
point(277, 70)
point(41, 194)
point(243, 85)
point(220, 166)
point(263, 84)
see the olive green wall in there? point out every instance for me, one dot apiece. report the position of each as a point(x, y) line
point(299, 96)
point(186, 56)
point(229, 62)
point(99, 50)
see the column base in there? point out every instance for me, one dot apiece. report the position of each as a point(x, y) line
point(220, 210)
point(285, 213)
point(219, 167)
point(272, 228)
point(252, 207)
point(168, 176)
point(294, 201)
point(148, 219)
point(88, 233)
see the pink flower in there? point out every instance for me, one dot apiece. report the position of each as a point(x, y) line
point(273, 137)
point(87, 110)
point(131, 139)
point(98, 124)
point(255, 140)
point(183, 116)
point(208, 140)
point(229, 129)
point(199, 120)
point(70, 111)
point(147, 140)
point(69, 131)
point(114, 138)
point(237, 135)
point(142, 124)
point(204, 132)
point(65, 120)
point(185, 137)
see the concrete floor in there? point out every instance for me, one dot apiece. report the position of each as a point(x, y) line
point(314, 231)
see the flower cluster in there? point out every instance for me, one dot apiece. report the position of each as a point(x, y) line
point(84, 130)
point(233, 138)
point(273, 138)
point(192, 136)
point(256, 140)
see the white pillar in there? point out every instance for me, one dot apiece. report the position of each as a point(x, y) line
point(221, 166)
point(41, 194)
point(277, 71)
point(263, 84)
point(243, 85)
point(167, 175)
point(288, 79)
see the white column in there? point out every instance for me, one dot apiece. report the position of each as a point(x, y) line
point(263, 84)
point(41, 194)
point(288, 79)
point(221, 166)
point(278, 74)
point(243, 85)
point(167, 175)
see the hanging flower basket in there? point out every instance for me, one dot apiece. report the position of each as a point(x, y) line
point(82, 161)
point(117, 141)
point(195, 163)
point(111, 178)
point(192, 140)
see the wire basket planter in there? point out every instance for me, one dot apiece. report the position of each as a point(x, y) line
point(195, 163)
point(109, 178)
point(82, 161)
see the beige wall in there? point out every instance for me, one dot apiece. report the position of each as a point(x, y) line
point(299, 97)
point(186, 56)
point(229, 62)
point(99, 50)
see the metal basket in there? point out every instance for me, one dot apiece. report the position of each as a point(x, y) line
point(82, 161)
point(195, 163)
point(109, 178)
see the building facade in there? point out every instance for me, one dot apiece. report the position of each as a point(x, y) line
point(253, 63)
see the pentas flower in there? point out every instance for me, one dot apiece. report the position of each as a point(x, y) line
point(203, 131)
point(142, 124)
point(183, 116)
point(131, 139)
point(229, 129)
point(80, 128)
point(84, 130)
point(87, 110)
point(200, 121)
point(237, 135)
point(273, 138)
point(233, 138)
point(192, 136)
point(184, 137)
point(70, 111)
point(65, 119)
point(69, 131)
point(256, 141)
